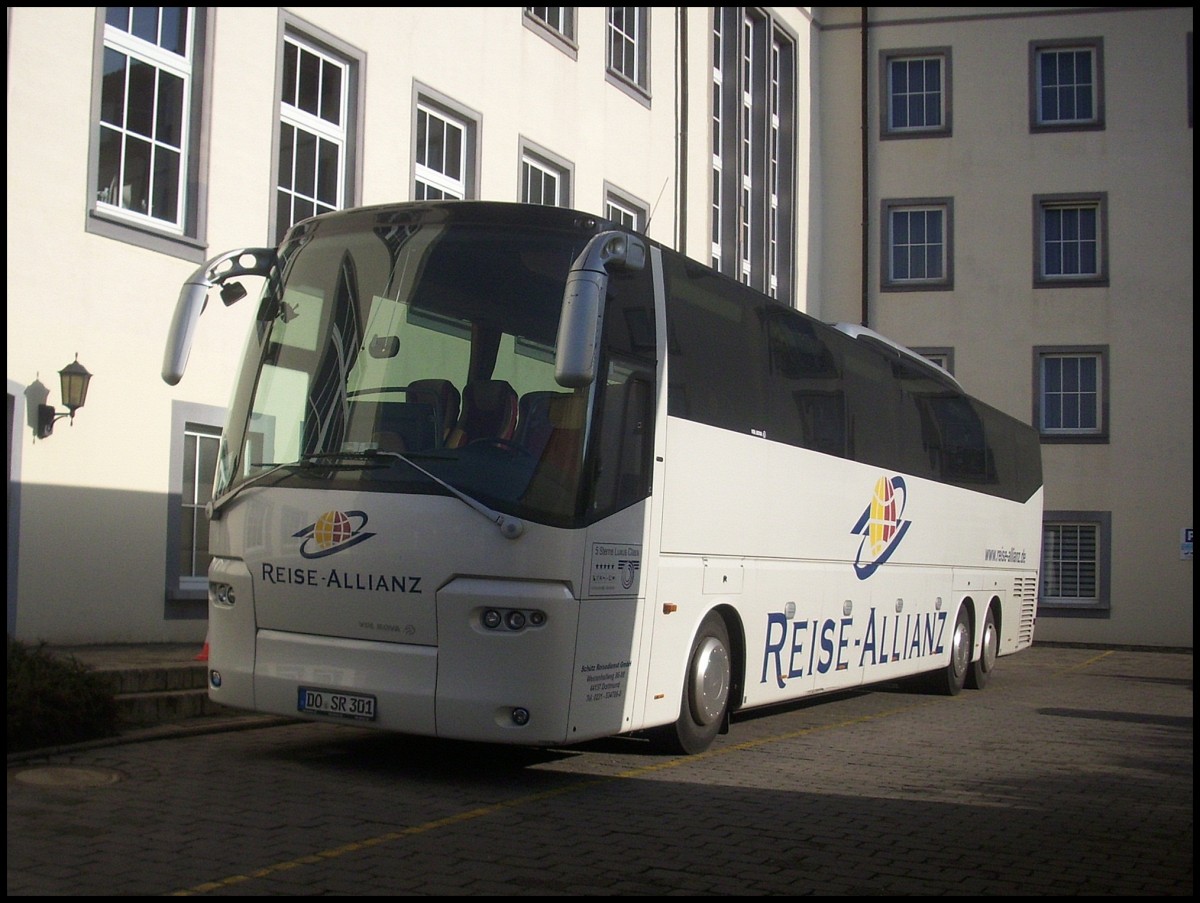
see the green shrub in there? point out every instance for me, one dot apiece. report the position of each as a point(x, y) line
point(53, 701)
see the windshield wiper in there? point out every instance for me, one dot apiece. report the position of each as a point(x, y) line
point(322, 459)
point(510, 527)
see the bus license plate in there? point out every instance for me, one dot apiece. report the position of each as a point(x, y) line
point(335, 702)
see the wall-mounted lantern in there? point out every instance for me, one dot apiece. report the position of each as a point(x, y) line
point(75, 379)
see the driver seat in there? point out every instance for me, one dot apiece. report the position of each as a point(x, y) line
point(489, 411)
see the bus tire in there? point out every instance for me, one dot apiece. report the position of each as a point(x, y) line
point(705, 703)
point(950, 680)
point(981, 670)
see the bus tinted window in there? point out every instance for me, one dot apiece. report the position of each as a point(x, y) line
point(806, 398)
point(741, 362)
point(716, 347)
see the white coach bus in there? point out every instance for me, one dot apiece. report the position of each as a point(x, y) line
point(506, 473)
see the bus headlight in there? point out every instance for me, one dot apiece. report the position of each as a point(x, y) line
point(520, 716)
point(515, 619)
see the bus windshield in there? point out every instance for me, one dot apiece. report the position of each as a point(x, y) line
point(413, 352)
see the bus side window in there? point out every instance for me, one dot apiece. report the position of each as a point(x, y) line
point(621, 477)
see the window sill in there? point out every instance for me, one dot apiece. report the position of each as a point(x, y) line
point(1089, 610)
point(181, 246)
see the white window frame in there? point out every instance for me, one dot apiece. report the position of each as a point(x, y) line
point(162, 61)
point(888, 126)
point(1042, 121)
point(1079, 542)
point(453, 116)
point(554, 23)
point(316, 126)
point(942, 356)
point(1046, 239)
point(1094, 397)
point(186, 595)
point(182, 236)
point(547, 168)
point(889, 280)
point(624, 209)
point(627, 49)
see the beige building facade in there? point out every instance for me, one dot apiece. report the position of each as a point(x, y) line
point(1013, 194)
point(1007, 128)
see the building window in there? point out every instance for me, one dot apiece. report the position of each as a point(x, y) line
point(917, 245)
point(1071, 393)
point(753, 227)
point(199, 463)
point(445, 151)
point(1075, 563)
point(917, 84)
point(196, 434)
point(316, 129)
point(145, 167)
point(624, 209)
point(943, 357)
point(1066, 84)
point(545, 178)
point(629, 47)
point(1071, 239)
point(554, 23)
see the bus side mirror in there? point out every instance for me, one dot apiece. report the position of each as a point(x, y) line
point(582, 318)
point(193, 296)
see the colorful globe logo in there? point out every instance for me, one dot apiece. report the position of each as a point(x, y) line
point(332, 532)
point(884, 515)
point(881, 525)
point(332, 529)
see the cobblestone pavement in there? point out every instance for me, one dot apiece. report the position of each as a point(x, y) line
point(1070, 774)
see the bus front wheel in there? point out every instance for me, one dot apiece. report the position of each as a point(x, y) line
point(705, 701)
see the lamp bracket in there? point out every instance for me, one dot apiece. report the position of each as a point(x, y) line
point(46, 418)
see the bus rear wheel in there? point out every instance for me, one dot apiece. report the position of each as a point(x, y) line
point(705, 701)
point(981, 670)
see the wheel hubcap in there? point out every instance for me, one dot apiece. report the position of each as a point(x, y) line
point(709, 681)
point(962, 648)
point(991, 643)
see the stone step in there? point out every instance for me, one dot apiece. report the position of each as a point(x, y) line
point(152, 683)
point(152, 694)
point(158, 706)
point(155, 678)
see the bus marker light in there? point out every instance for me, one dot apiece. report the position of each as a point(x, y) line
point(670, 608)
point(214, 678)
point(520, 716)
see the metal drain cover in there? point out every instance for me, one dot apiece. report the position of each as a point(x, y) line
point(68, 776)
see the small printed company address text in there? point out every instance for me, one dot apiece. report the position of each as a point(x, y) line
point(606, 681)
